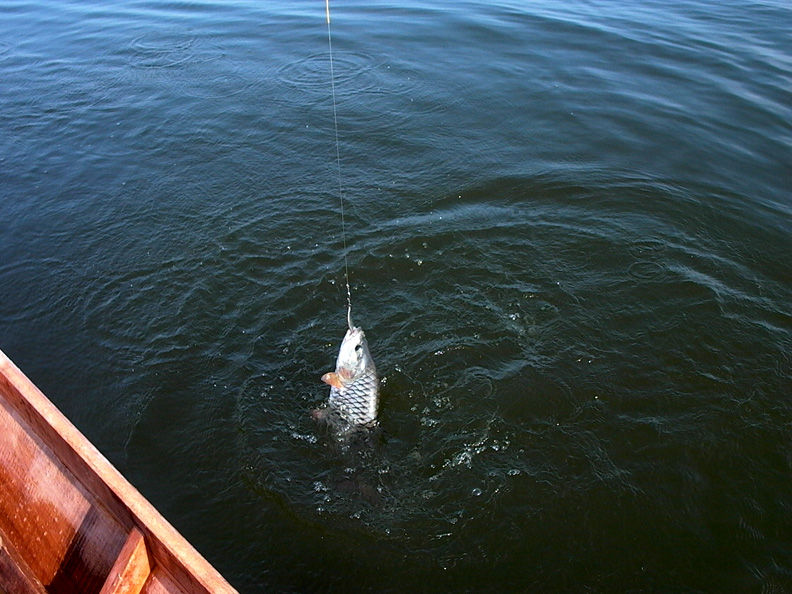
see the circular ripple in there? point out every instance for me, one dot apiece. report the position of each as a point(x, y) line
point(200, 70)
point(313, 72)
point(165, 49)
point(647, 270)
point(353, 73)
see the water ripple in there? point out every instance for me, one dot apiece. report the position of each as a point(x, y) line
point(567, 230)
point(5, 50)
point(165, 49)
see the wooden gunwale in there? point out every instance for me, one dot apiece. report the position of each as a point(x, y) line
point(69, 521)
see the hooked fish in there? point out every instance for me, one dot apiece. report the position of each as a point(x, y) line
point(354, 387)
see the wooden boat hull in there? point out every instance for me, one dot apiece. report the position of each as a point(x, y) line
point(69, 521)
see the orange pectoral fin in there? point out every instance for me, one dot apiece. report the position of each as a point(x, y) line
point(332, 379)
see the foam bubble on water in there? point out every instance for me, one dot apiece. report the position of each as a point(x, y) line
point(303, 437)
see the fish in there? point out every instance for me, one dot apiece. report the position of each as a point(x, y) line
point(354, 386)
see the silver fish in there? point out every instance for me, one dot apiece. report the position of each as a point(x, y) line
point(354, 387)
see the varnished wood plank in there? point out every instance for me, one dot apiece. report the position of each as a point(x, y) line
point(40, 507)
point(168, 550)
point(131, 569)
point(15, 576)
point(162, 583)
point(49, 425)
point(90, 555)
point(65, 536)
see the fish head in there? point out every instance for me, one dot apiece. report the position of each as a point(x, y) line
point(354, 358)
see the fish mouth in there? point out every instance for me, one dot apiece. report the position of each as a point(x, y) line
point(353, 333)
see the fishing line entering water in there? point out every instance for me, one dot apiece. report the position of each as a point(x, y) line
point(338, 163)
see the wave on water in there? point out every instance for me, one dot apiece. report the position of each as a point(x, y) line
point(594, 337)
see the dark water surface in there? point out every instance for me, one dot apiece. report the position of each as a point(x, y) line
point(569, 229)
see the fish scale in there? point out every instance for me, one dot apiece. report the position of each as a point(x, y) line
point(357, 401)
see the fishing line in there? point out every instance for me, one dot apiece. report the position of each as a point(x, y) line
point(338, 163)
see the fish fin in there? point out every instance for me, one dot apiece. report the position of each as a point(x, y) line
point(332, 379)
